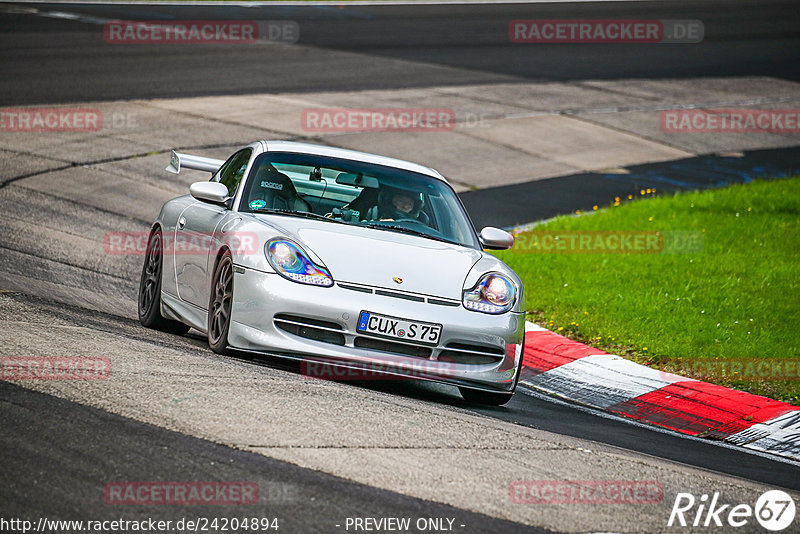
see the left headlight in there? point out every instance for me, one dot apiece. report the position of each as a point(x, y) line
point(290, 261)
point(494, 293)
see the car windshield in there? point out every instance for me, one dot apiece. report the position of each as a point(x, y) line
point(357, 193)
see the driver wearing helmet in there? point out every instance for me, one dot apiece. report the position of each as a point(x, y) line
point(399, 204)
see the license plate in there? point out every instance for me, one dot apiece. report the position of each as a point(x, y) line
point(397, 328)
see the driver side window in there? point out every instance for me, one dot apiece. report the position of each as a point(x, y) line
point(232, 171)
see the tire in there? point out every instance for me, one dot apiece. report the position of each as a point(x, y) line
point(150, 289)
point(485, 397)
point(220, 304)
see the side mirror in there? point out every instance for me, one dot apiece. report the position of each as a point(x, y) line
point(495, 238)
point(213, 192)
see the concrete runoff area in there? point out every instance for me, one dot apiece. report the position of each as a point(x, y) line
point(503, 133)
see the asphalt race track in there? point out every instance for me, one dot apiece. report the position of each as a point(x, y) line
point(323, 452)
point(431, 45)
point(308, 500)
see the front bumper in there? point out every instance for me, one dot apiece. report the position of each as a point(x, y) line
point(475, 350)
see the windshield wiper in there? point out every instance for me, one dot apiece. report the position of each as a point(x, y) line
point(303, 214)
point(411, 231)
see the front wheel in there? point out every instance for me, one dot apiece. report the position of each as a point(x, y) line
point(220, 304)
point(150, 289)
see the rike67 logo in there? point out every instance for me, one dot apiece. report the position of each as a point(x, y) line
point(774, 510)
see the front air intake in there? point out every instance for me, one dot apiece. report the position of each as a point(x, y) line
point(309, 328)
point(471, 354)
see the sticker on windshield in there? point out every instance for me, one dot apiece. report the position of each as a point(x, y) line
point(256, 204)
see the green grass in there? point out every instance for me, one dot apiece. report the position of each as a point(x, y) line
point(736, 298)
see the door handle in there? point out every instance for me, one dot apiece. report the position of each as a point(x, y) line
point(181, 223)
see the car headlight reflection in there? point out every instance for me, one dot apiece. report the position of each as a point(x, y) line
point(494, 293)
point(290, 261)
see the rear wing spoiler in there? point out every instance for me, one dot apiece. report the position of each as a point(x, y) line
point(177, 160)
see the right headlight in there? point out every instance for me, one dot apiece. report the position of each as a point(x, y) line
point(290, 261)
point(494, 293)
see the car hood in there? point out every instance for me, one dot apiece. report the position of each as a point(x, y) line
point(376, 257)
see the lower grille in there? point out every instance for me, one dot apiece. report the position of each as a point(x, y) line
point(471, 354)
point(306, 327)
point(389, 346)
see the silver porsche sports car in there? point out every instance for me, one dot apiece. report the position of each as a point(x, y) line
point(343, 260)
